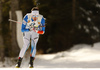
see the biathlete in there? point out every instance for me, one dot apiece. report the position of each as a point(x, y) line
point(33, 24)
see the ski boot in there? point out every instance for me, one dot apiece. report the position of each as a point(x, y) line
point(31, 62)
point(19, 62)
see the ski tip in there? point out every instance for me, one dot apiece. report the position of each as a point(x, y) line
point(31, 67)
point(17, 67)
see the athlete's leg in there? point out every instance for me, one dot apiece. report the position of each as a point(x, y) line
point(32, 47)
point(25, 46)
point(34, 39)
point(33, 52)
point(34, 42)
point(26, 41)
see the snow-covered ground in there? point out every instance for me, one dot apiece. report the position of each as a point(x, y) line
point(80, 56)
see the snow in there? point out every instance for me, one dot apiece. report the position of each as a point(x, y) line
point(97, 5)
point(86, 29)
point(81, 56)
point(89, 19)
point(48, 69)
point(96, 29)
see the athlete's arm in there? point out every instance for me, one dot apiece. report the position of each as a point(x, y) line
point(23, 29)
point(43, 26)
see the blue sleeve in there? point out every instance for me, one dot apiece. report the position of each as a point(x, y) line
point(23, 29)
point(25, 18)
point(43, 24)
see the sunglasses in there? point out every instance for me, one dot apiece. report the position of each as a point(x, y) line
point(35, 16)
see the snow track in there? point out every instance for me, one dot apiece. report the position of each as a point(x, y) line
point(80, 57)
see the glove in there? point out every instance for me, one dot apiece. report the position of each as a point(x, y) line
point(40, 32)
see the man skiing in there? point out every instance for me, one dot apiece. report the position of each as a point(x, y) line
point(33, 24)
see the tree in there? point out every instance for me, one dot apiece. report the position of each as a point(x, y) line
point(87, 22)
point(14, 45)
point(73, 10)
point(70, 22)
point(1, 37)
point(59, 25)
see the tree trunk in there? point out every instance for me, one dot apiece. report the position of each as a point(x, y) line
point(14, 45)
point(73, 10)
point(1, 37)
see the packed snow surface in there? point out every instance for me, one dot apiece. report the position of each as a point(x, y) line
point(80, 56)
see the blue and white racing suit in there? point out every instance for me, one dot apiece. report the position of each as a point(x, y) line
point(31, 35)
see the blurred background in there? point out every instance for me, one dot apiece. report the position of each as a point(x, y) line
point(68, 22)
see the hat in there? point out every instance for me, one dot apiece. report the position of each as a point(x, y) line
point(35, 12)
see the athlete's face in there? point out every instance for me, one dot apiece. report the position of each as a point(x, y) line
point(35, 17)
